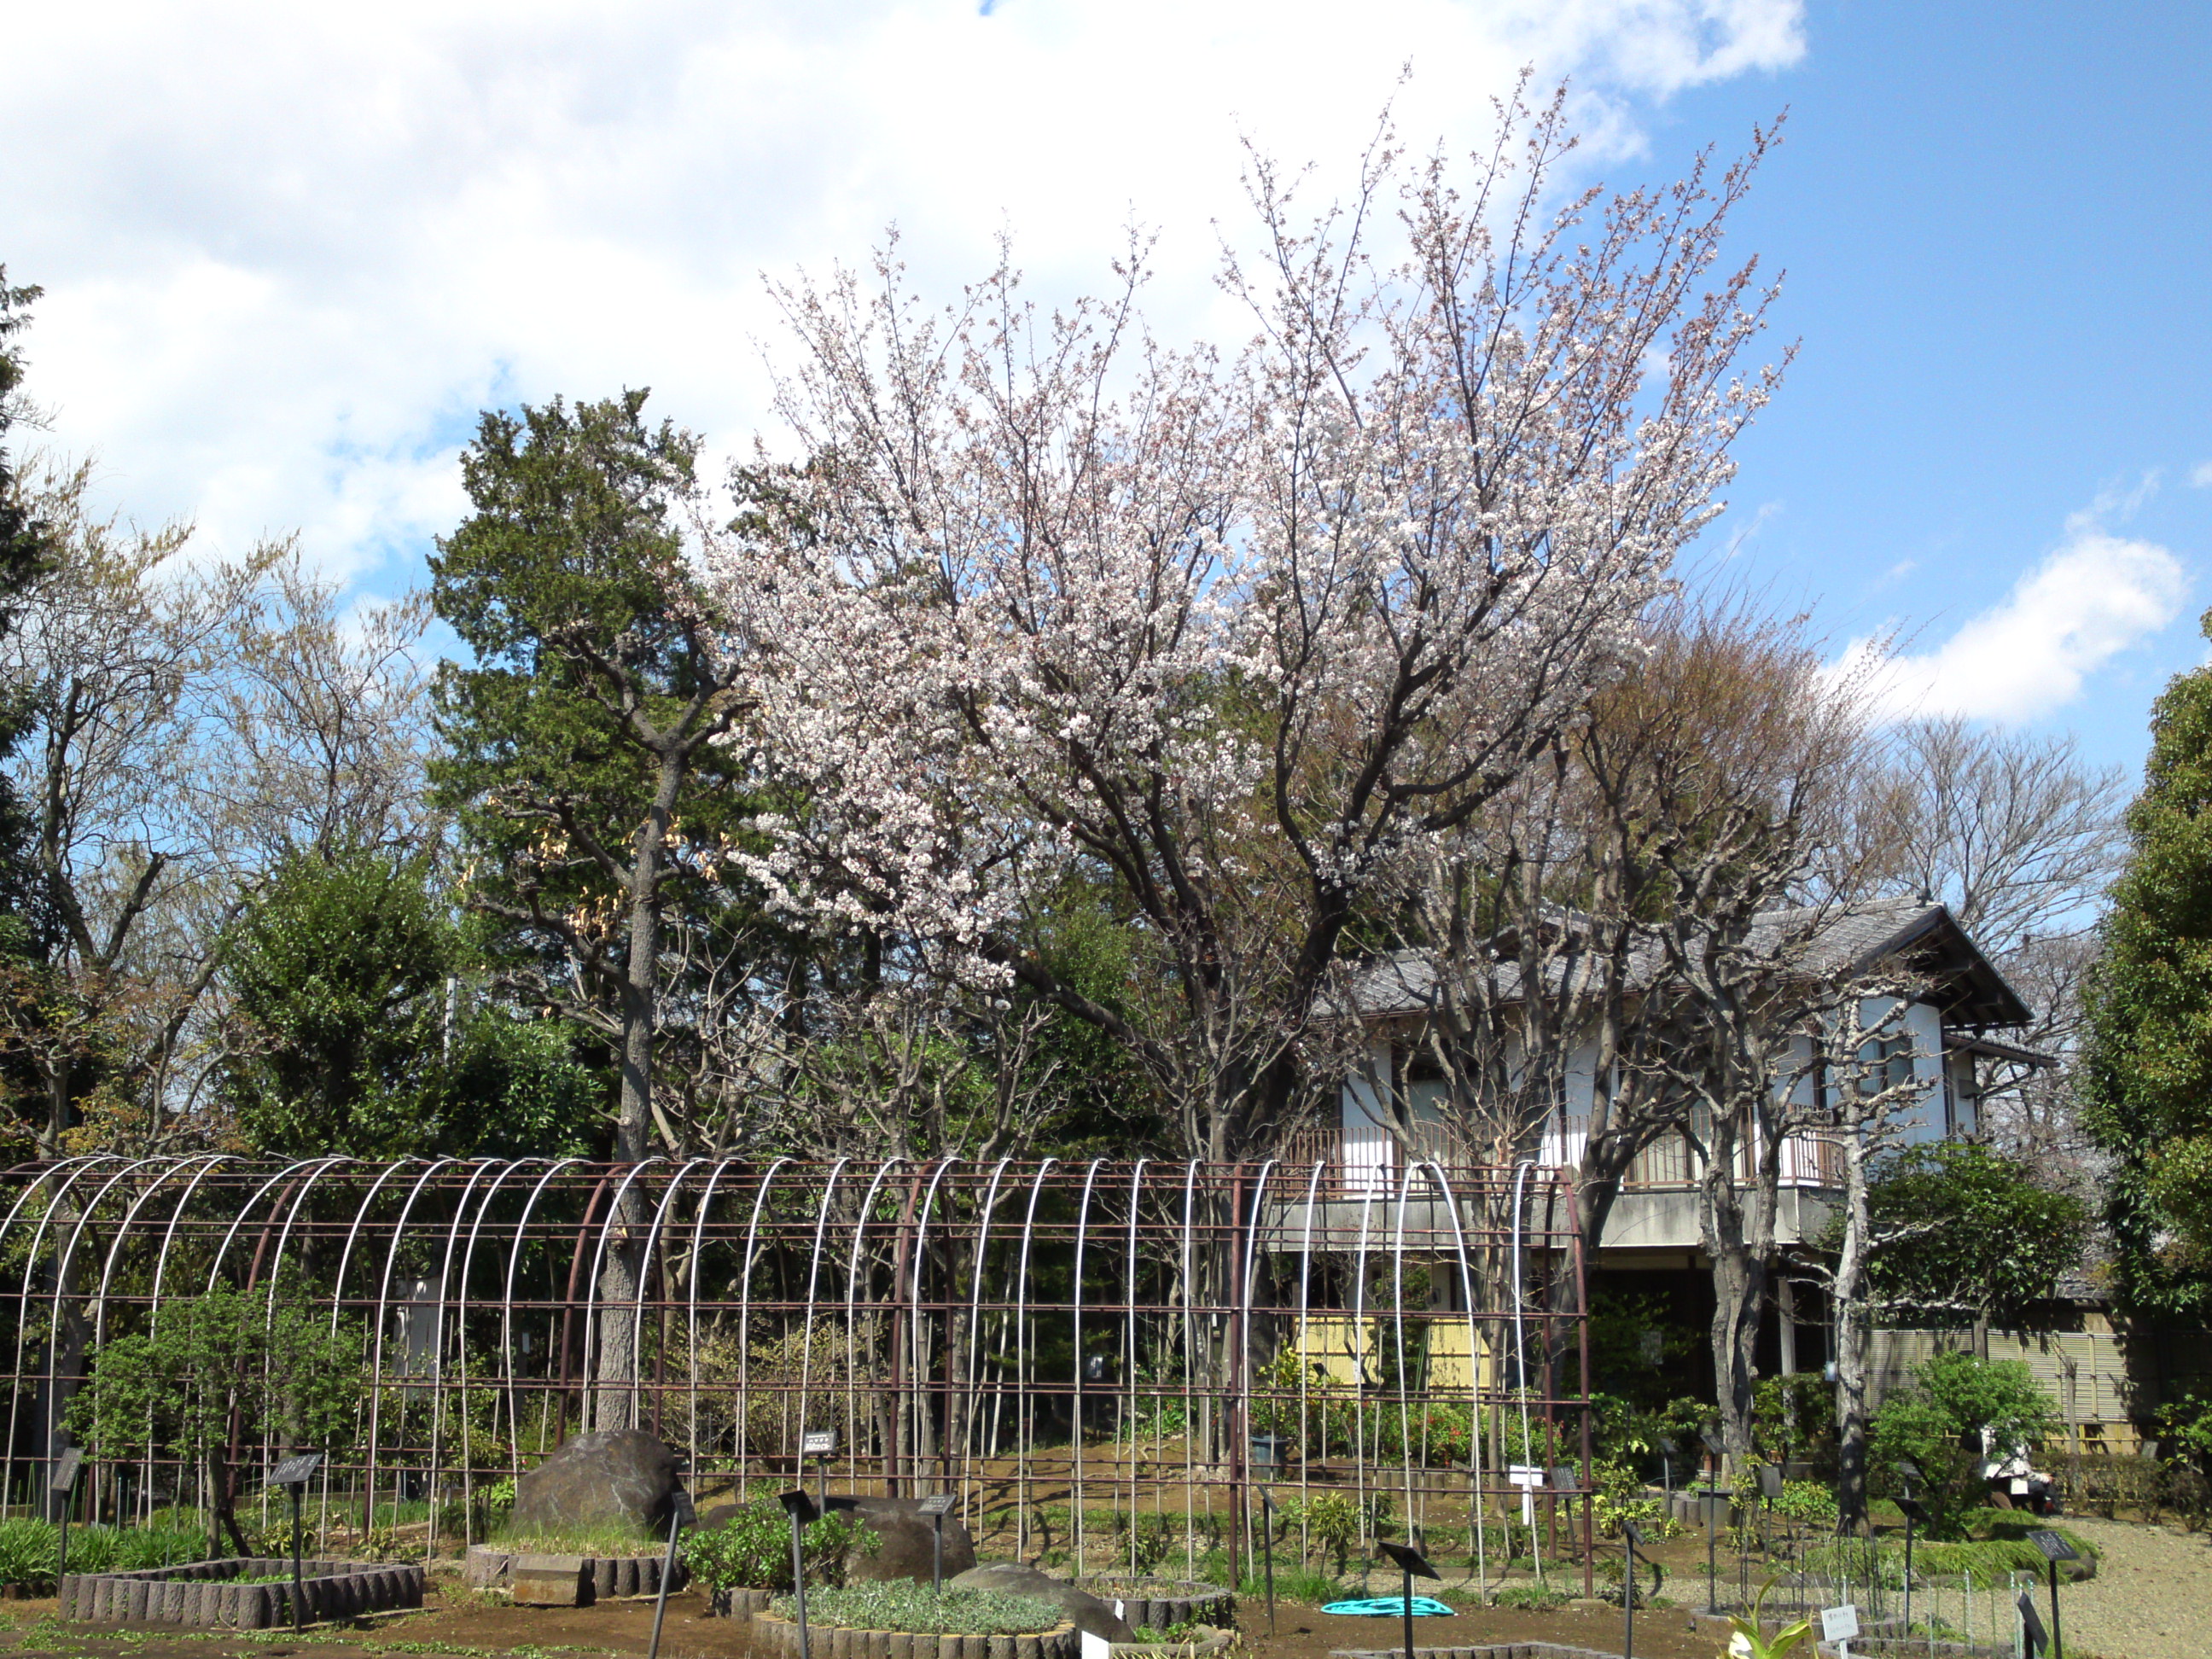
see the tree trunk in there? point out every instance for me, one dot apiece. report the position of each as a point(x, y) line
point(1739, 1273)
point(1852, 1338)
point(614, 1402)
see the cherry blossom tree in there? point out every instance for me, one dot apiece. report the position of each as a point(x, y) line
point(1233, 636)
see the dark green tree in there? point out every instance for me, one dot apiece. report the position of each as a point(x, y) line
point(584, 756)
point(2147, 1082)
point(25, 550)
point(1965, 1233)
point(359, 1025)
point(583, 741)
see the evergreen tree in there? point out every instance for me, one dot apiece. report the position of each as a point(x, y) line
point(582, 743)
point(24, 551)
point(2148, 1080)
point(357, 1025)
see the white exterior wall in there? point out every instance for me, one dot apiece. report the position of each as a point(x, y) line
point(1367, 1151)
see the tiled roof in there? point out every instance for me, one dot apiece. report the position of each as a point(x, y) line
point(1832, 941)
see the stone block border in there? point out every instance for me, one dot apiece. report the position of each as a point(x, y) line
point(200, 1592)
point(490, 1567)
point(737, 1602)
point(779, 1637)
point(1487, 1650)
point(1162, 1603)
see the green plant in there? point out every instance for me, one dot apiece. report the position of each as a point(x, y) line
point(903, 1604)
point(1937, 1423)
point(1529, 1598)
point(753, 1549)
point(1332, 1521)
point(1144, 1544)
point(1810, 1504)
point(29, 1549)
point(1794, 1416)
point(1747, 1642)
point(221, 1365)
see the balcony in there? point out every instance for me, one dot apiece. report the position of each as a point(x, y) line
point(1656, 1210)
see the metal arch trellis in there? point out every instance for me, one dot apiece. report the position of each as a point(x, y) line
point(984, 1309)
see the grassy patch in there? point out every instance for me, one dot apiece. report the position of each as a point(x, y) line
point(1985, 1561)
point(583, 1541)
point(900, 1604)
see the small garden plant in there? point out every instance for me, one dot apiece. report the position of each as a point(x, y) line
point(904, 1605)
point(29, 1550)
point(752, 1550)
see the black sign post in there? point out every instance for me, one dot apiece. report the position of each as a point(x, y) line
point(1411, 1563)
point(681, 1513)
point(2034, 1638)
point(1914, 1512)
point(2054, 1549)
point(1770, 1493)
point(804, 1513)
point(820, 1445)
point(293, 1474)
point(936, 1506)
point(1267, 1550)
point(63, 1486)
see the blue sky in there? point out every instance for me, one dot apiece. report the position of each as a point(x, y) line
point(1994, 218)
point(289, 250)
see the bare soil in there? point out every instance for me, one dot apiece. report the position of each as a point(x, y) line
point(477, 1627)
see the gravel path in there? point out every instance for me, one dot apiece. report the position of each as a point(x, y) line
point(2152, 1597)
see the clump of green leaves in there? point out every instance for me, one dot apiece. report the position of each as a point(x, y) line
point(1529, 1598)
point(1332, 1521)
point(1937, 1423)
point(1977, 1233)
point(903, 1604)
point(249, 1363)
point(1810, 1504)
point(30, 1548)
point(1143, 1542)
point(752, 1550)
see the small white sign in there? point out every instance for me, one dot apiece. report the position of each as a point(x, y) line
point(1839, 1624)
point(1095, 1647)
point(1525, 1474)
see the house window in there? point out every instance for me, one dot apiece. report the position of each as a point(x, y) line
point(1884, 1063)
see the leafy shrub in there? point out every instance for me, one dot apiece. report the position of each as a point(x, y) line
point(1795, 1417)
point(1620, 1497)
point(1332, 1521)
point(903, 1604)
point(1152, 1538)
point(1937, 1423)
point(1611, 1568)
point(1530, 1598)
point(1810, 1504)
point(752, 1550)
point(2109, 1484)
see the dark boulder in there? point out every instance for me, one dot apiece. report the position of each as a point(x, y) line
point(905, 1535)
point(1091, 1614)
point(617, 1478)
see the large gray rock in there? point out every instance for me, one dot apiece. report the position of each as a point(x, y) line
point(617, 1478)
point(1091, 1614)
point(904, 1551)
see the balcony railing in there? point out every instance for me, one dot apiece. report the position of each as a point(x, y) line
point(1360, 1161)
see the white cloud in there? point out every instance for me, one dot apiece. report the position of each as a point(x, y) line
point(2201, 475)
point(2093, 598)
point(289, 250)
